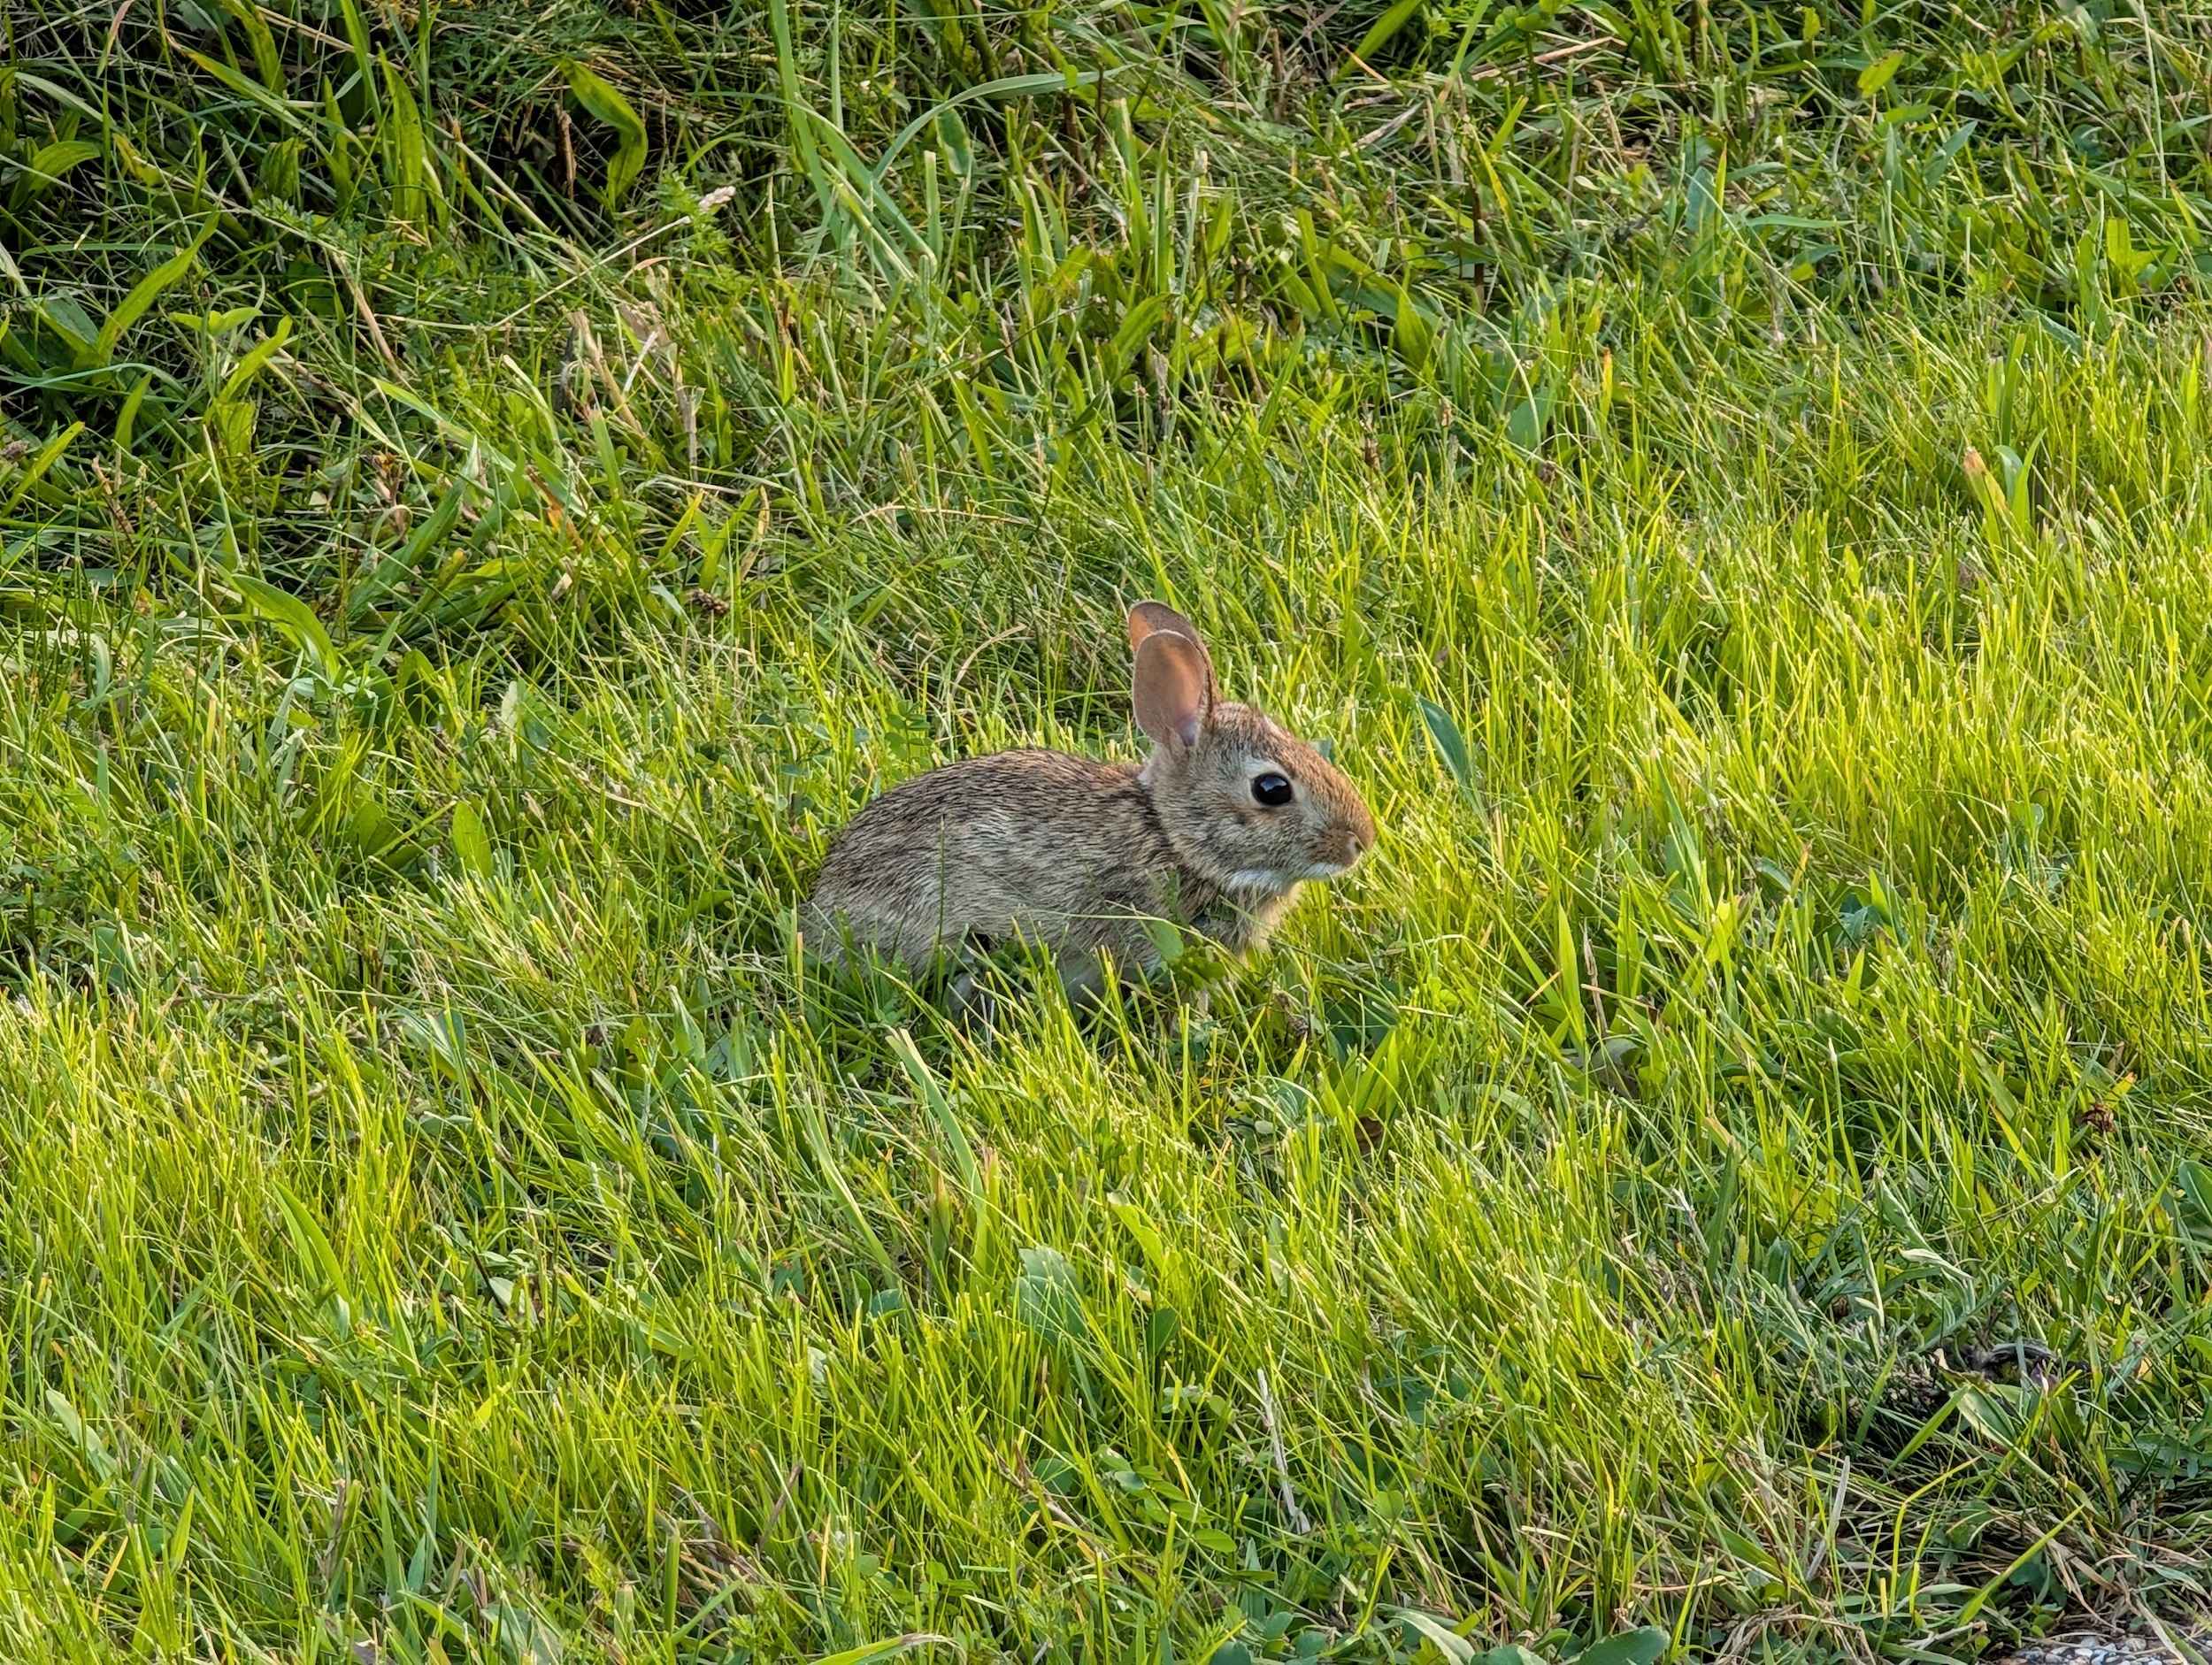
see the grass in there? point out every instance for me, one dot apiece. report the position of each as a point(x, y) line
point(486, 492)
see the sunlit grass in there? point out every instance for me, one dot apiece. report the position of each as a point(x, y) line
point(1734, 1160)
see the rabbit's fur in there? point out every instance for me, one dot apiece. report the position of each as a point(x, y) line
point(1077, 854)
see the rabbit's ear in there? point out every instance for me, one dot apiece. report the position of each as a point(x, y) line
point(1147, 617)
point(1174, 687)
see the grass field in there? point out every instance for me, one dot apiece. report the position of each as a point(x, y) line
point(487, 490)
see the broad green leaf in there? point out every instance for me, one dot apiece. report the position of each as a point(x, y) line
point(278, 179)
point(404, 560)
point(1525, 423)
point(214, 323)
point(869, 1652)
point(471, 846)
point(1876, 75)
point(2193, 1208)
point(256, 358)
point(38, 465)
point(952, 141)
point(373, 828)
point(96, 1453)
point(48, 164)
point(1139, 1225)
point(444, 1035)
point(309, 1243)
point(1413, 334)
point(1569, 982)
point(264, 43)
point(1447, 1641)
point(794, 103)
point(126, 420)
point(1630, 1648)
point(1511, 1653)
point(1451, 745)
point(363, 60)
point(614, 110)
point(1048, 1300)
point(247, 88)
point(1167, 939)
point(290, 615)
point(144, 295)
point(416, 194)
point(1385, 30)
point(1136, 329)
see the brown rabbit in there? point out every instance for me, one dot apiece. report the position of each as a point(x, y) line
point(1215, 830)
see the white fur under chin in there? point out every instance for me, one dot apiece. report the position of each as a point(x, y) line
point(1265, 883)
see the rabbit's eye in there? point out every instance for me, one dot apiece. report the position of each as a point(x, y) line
point(1271, 790)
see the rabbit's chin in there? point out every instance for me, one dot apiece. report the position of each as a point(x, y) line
point(1267, 881)
point(1264, 881)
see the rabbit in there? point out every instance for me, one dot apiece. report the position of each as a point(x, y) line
point(1215, 830)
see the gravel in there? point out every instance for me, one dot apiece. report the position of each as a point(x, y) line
point(2094, 1648)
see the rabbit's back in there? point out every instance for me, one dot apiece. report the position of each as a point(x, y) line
point(1056, 848)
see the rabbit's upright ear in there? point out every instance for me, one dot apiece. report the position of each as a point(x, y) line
point(1173, 687)
point(1148, 617)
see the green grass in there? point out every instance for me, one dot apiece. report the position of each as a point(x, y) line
point(1729, 484)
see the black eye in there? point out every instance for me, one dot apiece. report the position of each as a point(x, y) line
point(1271, 790)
